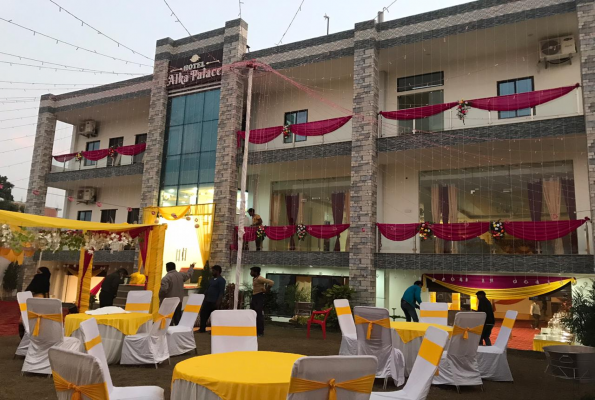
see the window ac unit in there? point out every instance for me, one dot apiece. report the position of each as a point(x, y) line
point(86, 194)
point(87, 128)
point(557, 48)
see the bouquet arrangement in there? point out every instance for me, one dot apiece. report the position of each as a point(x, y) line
point(78, 157)
point(425, 232)
point(497, 229)
point(286, 131)
point(260, 233)
point(462, 110)
point(301, 232)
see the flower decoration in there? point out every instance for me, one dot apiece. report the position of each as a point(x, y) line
point(301, 232)
point(99, 204)
point(425, 232)
point(1, 186)
point(70, 199)
point(497, 229)
point(129, 209)
point(462, 110)
point(286, 131)
point(188, 218)
point(260, 233)
point(35, 192)
point(111, 152)
point(78, 157)
point(174, 216)
point(196, 226)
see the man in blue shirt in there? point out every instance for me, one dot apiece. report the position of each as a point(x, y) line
point(411, 300)
point(213, 297)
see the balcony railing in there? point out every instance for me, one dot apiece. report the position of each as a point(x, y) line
point(124, 155)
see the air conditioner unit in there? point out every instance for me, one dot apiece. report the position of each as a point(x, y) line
point(86, 194)
point(87, 128)
point(557, 48)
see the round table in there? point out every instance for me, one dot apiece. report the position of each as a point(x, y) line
point(112, 328)
point(246, 375)
point(407, 337)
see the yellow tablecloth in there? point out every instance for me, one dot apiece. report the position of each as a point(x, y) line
point(250, 375)
point(408, 331)
point(128, 324)
point(538, 345)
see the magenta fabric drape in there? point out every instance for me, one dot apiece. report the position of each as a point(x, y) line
point(292, 205)
point(280, 232)
point(398, 232)
point(318, 128)
point(495, 281)
point(326, 231)
point(338, 205)
point(249, 235)
point(64, 157)
point(535, 194)
point(520, 100)
point(543, 230)
point(260, 136)
point(418, 112)
point(95, 155)
point(131, 150)
point(460, 231)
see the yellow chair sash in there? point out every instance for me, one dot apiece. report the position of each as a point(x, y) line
point(137, 307)
point(433, 314)
point(359, 385)
point(23, 306)
point(51, 317)
point(92, 343)
point(343, 311)
point(457, 330)
point(233, 331)
point(509, 323)
point(162, 319)
point(385, 323)
point(430, 352)
point(192, 309)
point(96, 391)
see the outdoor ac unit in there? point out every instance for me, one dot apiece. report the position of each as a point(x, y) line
point(557, 48)
point(85, 194)
point(87, 128)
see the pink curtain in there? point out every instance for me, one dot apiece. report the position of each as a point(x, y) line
point(260, 136)
point(398, 232)
point(95, 155)
point(520, 100)
point(292, 204)
point(131, 150)
point(418, 112)
point(64, 157)
point(318, 128)
point(338, 205)
point(543, 230)
point(326, 231)
point(460, 231)
point(280, 232)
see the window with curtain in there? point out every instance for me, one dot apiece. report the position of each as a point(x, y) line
point(514, 86)
point(108, 216)
point(295, 117)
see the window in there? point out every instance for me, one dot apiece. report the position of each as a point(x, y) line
point(115, 142)
point(108, 216)
point(133, 216)
point(295, 117)
point(513, 86)
point(142, 138)
point(420, 81)
point(435, 123)
point(90, 147)
point(84, 215)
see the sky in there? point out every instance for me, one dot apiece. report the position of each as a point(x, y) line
point(137, 24)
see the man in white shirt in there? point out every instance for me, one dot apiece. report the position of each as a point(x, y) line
point(535, 313)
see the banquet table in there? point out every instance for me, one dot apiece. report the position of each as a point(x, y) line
point(407, 337)
point(112, 328)
point(246, 375)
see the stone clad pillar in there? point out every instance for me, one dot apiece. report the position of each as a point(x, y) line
point(364, 164)
point(230, 121)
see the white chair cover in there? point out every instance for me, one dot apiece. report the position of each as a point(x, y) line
point(77, 368)
point(51, 333)
point(433, 313)
point(139, 301)
point(348, 331)
point(24, 344)
point(420, 380)
point(233, 330)
point(150, 347)
point(390, 360)
point(180, 339)
point(339, 368)
point(94, 347)
point(492, 361)
point(458, 365)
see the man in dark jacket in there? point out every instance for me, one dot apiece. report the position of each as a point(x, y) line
point(109, 287)
point(484, 305)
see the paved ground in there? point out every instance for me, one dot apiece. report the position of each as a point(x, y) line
point(527, 368)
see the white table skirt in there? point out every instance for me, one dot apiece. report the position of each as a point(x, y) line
point(409, 350)
point(184, 390)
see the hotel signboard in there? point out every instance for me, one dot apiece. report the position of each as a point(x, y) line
point(195, 70)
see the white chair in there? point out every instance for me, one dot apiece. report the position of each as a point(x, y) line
point(458, 365)
point(139, 301)
point(424, 368)
point(492, 361)
point(374, 338)
point(233, 330)
point(24, 344)
point(94, 347)
point(433, 313)
point(46, 331)
point(180, 339)
point(311, 378)
point(150, 347)
point(348, 331)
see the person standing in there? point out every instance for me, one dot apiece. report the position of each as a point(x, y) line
point(109, 287)
point(256, 222)
point(40, 285)
point(411, 300)
point(213, 297)
point(485, 306)
point(172, 285)
point(535, 312)
point(259, 288)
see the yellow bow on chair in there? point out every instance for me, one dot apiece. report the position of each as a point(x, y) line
point(385, 323)
point(51, 317)
point(360, 385)
point(163, 319)
point(96, 391)
point(457, 330)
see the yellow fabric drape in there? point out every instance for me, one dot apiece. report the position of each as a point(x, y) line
point(456, 301)
point(162, 320)
point(51, 317)
point(84, 291)
point(92, 343)
point(432, 297)
point(134, 307)
point(510, 293)
point(137, 278)
point(96, 391)
point(408, 331)
point(538, 345)
point(385, 323)
point(457, 330)
point(430, 352)
point(343, 311)
point(11, 256)
point(359, 385)
point(192, 309)
point(169, 213)
point(233, 330)
point(128, 324)
point(155, 263)
point(433, 314)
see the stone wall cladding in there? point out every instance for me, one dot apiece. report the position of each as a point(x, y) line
point(84, 174)
point(486, 263)
point(295, 258)
point(103, 88)
point(364, 165)
point(226, 172)
point(300, 153)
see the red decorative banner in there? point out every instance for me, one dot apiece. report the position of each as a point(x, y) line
point(96, 155)
point(398, 232)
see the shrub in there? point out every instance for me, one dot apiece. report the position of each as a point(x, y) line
point(335, 293)
point(11, 277)
point(580, 318)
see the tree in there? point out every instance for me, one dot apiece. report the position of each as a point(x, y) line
point(10, 278)
point(580, 318)
point(6, 198)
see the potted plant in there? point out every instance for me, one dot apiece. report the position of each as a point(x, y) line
point(580, 317)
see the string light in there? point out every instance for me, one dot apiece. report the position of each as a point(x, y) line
point(54, 84)
point(177, 19)
point(72, 69)
point(293, 19)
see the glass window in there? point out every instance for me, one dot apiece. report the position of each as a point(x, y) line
point(295, 117)
point(172, 170)
point(169, 196)
point(514, 86)
point(138, 139)
point(84, 215)
point(176, 110)
point(108, 216)
point(207, 167)
point(206, 193)
point(192, 138)
point(90, 147)
point(174, 140)
point(187, 195)
point(194, 108)
point(133, 216)
point(189, 168)
point(209, 135)
point(435, 123)
point(420, 81)
point(211, 112)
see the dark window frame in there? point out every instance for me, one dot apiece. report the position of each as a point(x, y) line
point(516, 112)
point(130, 216)
point(138, 139)
point(103, 212)
point(89, 163)
point(293, 137)
point(405, 88)
point(81, 212)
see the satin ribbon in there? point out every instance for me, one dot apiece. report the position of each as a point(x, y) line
point(192, 309)
point(23, 306)
point(137, 306)
point(92, 343)
point(233, 331)
point(508, 323)
point(51, 317)
point(342, 311)
point(433, 314)
point(457, 330)
point(96, 391)
point(385, 323)
point(359, 385)
point(162, 319)
point(430, 352)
